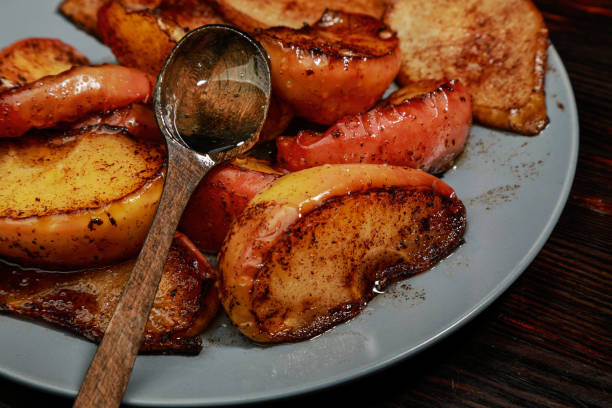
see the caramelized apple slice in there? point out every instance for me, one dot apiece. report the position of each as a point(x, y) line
point(411, 128)
point(137, 38)
point(339, 66)
point(308, 250)
point(138, 119)
point(84, 301)
point(221, 196)
point(77, 199)
point(69, 96)
point(33, 58)
point(189, 14)
point(84, 13)
point(496, 47)
point(290, 13)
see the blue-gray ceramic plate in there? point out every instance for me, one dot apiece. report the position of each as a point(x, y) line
point(514, 189)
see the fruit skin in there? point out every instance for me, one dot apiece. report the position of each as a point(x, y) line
point(339, 66)
point(220, 197)
point(69, 96)
point(30, 59)
point(307, 251)
point(425, 131)
point(56, 210)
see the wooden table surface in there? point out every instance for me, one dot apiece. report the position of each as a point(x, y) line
point(547, 341)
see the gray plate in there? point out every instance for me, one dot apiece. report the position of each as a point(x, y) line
point(514, 189)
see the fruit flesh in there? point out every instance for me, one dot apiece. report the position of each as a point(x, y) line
point(304, 254)
point(56, 209)
point(339, 66)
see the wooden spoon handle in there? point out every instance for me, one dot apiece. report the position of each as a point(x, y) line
point(109, 371)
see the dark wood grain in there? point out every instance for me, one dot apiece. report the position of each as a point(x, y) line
point(547, 342)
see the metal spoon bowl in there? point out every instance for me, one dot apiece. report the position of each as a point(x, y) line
point(210, 102)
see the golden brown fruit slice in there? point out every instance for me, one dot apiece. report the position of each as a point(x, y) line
point(143, 37)
point(249, 14)
point(84, 13)
point(137, 38)
point(339, 66)
point(69, 96)
point(307, 251)
point(496, 47)
point(420, 128)
point(189, 14)
point(30, 59)
point(220, 197)
point(77, 199)
point(84, 301)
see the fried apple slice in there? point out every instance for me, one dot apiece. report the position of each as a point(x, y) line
point(422, 128)
point(339, 66)
point(84, 13)
point(143, 37)
point(496, 47)
point(189, 14)
point(77, 199)
point(137, 118)
point(84, 301)
point(69, 96)
point(249, 15)
point(137, 38)
point(308, 251)
point(30, 59)
point(223, 193)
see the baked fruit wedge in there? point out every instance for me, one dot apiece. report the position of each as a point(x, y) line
point(422, 127)
point(138, 38)
point(142, 37)
point(339, 66)
point(497, 48)
point(84, 13)
point(137, 118)
point(84, 301)
point(308, 250)
point(221, 196)
point(70, 96)
point(33, 58)
point(252, 14)
point(77, 199)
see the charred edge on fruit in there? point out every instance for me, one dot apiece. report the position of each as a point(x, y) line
point(306, 37)
point(380, 278)
point(60, 306)
point(443, 87)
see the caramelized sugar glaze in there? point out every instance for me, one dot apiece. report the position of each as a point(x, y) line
point(84, 301)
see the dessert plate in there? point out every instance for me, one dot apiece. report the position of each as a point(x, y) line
point(514, 189)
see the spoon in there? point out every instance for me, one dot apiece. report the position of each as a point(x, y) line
point(210, 101)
